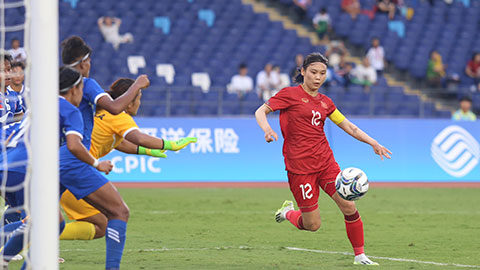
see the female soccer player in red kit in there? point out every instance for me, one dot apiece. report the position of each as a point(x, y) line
point(308, 157)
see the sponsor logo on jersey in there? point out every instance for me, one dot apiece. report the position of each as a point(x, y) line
point(456, 151)
point(305, 100)
point(324, 105)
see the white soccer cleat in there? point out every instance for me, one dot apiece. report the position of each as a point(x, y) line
point(17, 257)
point(363, 259)
point(280, 214)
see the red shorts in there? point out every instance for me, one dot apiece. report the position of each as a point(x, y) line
point(305, 187)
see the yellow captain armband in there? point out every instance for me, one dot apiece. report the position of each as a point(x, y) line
point(337, 117)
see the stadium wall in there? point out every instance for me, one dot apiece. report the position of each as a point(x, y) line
point(234, 150)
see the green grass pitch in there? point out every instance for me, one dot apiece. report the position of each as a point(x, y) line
point(235, 229)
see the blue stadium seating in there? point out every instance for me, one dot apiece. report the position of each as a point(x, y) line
point(238, 34)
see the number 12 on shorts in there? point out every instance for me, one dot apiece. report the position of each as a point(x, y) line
point(306, 191)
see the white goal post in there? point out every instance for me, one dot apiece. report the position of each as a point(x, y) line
point(42, 43)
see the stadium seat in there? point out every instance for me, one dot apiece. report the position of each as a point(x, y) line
point(162, 23)
point(167, 71)
point(135, 62)
point(202, 80)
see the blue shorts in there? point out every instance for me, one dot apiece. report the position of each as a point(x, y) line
point(80, 178)
point(14, 179)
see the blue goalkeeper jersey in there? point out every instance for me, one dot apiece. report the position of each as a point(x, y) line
point(92, 92)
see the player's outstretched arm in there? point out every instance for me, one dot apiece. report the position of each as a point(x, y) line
point(261, 116)
point(360, 135)
point(129, 148)
point(119, 104)
point(100, 21)
point(75, 146)
point(139, 138)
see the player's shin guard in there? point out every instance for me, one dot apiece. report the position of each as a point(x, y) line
point(354, 226)
point(78, 230)
point(115, 239)
point(295, 217)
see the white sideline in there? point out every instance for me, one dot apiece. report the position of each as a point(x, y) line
point(163, 249)
point(384, 258)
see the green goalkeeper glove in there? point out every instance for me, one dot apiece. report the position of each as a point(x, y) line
point(151, 152)
point(178, 145)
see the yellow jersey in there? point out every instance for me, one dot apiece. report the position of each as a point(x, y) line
point(109, 131)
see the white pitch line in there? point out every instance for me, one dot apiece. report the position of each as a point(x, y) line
point(159, 249)
point(384, 258)
point(163, 249)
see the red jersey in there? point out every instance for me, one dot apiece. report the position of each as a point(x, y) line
point(302, 117)
point(474, 66)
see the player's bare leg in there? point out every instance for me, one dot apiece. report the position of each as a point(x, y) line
point(354, 227)
point(311, 220)
point(100, 222)
point(108, 201)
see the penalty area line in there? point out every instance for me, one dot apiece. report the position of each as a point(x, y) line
point(383, 258)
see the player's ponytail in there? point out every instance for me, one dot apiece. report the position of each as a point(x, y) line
point(69, 78)
point(119, 87)
point(74, 49)
point(311, 58)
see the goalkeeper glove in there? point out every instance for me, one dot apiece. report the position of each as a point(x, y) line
point(151, 152)
point(180, 144)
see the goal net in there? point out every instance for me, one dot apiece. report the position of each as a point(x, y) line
point(29, 119)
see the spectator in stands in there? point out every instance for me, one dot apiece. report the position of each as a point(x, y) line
point(376, 56)
point(387, 6)
point(301, 7)
point(321, 23)
point(341, 72)
point(351, 7)
point(335, 50)
point(473, 69)
point(465, 112)
point(283, 78)
point(18, 53)
point(435, 70)
point(110, 27)
point(241, 83)
point(364, 74)
point(267, 82)
point(296, 70)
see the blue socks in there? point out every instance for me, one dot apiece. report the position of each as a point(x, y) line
point(8, 229)
point(115, 240)
point(15, 244)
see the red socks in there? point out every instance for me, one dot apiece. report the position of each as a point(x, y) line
point(295, 217)
point(354, 226)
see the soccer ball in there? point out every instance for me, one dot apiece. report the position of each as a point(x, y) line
point(351, 184)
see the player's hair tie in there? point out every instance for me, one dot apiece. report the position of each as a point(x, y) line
point(79, 61)
point(80, 78)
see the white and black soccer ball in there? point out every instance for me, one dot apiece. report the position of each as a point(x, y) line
point(351, 184)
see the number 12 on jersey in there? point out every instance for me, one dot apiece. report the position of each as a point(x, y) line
point(316, 118)
point(306, 191)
